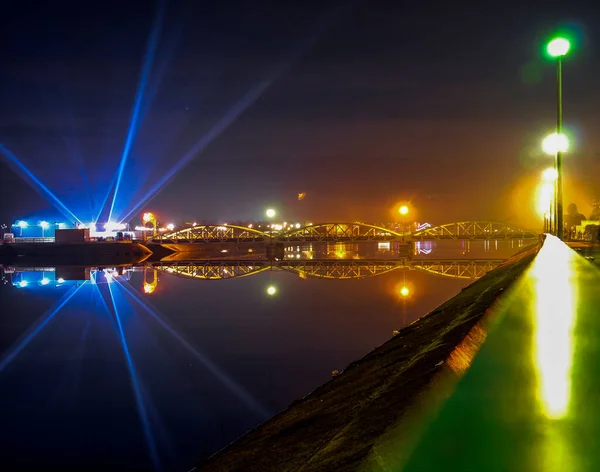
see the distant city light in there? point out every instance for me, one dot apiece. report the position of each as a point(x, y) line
point(148, 217)
point(45, 281)
point(111, 226)
point(301, 195)
point(403, 210)
point(271, 290)
point(170, 226)
point(44, 224)
point(554, 143)
point(297, 225)
point(270, 213)
point(23, 283)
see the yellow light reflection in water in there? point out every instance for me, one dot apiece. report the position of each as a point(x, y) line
point(554, 320)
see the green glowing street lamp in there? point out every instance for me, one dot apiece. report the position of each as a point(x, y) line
point(558, 48)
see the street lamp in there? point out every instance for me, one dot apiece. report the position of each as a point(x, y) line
point(44, 225)
point(270, 213)
point(22, 224)
point(558, 48)
point(403, 210)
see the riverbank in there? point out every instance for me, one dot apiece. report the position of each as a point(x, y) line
point(346, 424)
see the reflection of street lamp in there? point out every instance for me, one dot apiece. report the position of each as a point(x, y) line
point(557, 48)
point(404, 291)
point(555, 144)
point(44, 225)
point(271, 290)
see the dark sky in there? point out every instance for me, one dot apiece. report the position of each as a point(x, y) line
point(360, 104)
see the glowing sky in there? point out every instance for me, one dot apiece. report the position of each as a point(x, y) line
point(359, 106)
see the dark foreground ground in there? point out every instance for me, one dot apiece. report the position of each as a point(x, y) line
point(342, 424)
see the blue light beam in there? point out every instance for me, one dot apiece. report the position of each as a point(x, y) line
point(45, 319)
point(135, 384)
point(135, 122)
point(240, 107)
point(60, 206)
point(236, 389)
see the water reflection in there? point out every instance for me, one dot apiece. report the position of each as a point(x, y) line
point(554, 320)
point(173, 366)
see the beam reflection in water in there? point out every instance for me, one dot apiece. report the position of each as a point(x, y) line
point(554, 319)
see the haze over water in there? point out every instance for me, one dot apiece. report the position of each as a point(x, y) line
point(209, 359)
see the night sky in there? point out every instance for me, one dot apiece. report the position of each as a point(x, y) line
point(360, 104)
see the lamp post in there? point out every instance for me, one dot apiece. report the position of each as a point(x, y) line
point(557, 48)
point(22, 224)
point(44, 225)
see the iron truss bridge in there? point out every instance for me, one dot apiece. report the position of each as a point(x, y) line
point(347, 233)
point(329, 269)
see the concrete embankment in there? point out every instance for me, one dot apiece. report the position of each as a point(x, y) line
point(347, 423)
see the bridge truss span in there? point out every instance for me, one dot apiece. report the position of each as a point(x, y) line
point(339, 232)
point(216, 233)
point(474, 230)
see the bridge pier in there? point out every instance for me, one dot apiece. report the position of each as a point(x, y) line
point(275, 251)
point(405, 249)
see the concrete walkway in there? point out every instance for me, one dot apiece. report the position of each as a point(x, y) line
point(531, 399)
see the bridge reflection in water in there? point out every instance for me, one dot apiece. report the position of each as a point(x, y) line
point(326, 268)
point(348, 232)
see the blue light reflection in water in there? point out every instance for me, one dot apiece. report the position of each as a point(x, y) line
point(129, 379)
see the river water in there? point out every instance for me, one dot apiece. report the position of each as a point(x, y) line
point(116, 372)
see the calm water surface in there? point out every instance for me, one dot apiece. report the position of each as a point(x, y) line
point(103, 375)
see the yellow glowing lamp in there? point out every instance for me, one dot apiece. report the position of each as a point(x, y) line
point(403, 210)
point(555, 142)
point(404, 292)
point(550, 175)
point(149, 288)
